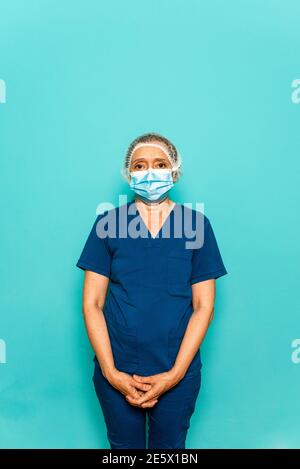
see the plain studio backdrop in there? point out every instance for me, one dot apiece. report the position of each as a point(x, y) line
point(79, 81)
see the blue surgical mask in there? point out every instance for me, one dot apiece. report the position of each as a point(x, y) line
point(151, 184)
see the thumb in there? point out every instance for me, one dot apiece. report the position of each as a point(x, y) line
point(142, 379)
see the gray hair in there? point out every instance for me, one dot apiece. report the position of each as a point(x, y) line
point(174, 156)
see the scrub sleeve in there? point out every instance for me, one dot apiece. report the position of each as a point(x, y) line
point(147, 309)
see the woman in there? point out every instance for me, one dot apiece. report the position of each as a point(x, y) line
point(148, 299)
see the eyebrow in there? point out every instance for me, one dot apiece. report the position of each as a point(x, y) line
point(159, 158)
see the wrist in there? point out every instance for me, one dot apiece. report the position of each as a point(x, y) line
point(109, 373)
point(176, 374)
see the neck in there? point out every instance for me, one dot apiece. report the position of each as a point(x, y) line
point(150, 202)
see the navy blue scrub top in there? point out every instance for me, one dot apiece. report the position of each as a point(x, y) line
point(149, 299)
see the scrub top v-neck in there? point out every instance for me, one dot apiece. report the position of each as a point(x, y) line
point(149, 299)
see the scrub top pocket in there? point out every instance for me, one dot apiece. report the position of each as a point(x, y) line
point(124, 344)
point(179, 272)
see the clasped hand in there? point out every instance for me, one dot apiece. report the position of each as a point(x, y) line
point(143, 391)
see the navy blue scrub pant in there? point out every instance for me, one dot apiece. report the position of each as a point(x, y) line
point(168, 420)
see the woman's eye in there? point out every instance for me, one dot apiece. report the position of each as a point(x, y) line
point(138, 166)
point(161, 165)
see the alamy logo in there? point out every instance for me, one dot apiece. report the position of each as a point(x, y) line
point(2, 351)
point(295, 96)
point(295, 357)
point(2, 92)
point(127, 222)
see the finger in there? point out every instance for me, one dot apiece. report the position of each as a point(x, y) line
point(149, 395)
point(133, 403)
point(141, 386)
point(149, 403)
point(134, 393)
point(131, 400)
point(143, 379)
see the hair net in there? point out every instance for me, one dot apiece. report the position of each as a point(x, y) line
point(156, 140)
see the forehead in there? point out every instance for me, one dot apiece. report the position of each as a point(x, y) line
point(148, 152)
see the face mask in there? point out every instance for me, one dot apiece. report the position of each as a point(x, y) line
point(151, 184)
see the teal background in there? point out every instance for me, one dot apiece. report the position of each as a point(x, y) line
point(85, 78)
